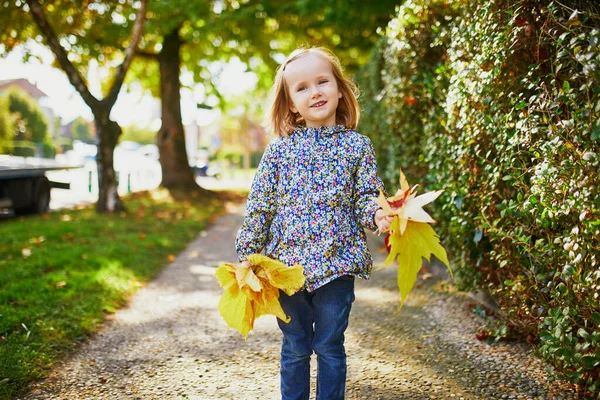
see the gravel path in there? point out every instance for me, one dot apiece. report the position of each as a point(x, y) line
point(171, 343)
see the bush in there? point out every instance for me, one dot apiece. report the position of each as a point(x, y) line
point(503, 115)
point(49, 149)
point(7, 129)
point(23, 149)
point(30, 118)
point(373, 117)
point(23, 126)
point(83, 130)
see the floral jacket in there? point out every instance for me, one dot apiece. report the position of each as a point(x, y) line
point(310, 201)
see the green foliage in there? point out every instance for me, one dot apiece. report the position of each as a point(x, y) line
point(59, 277)
point(7, 128)
point(29, 118)
point(82, 130)
point(503, 115)
point(347, 27)
point(49, 149)
point(142, 135)
point(84, 27)
point(25, 126)
point(17, 26)
point(373, 119)
point(256, 32)
point(23, 148)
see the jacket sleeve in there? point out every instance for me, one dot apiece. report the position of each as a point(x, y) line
point(260, 207)
point(367, 187)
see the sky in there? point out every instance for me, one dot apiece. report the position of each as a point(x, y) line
point(130, 108)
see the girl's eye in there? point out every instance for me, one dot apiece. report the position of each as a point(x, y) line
point(323, 81)
point(301, 88)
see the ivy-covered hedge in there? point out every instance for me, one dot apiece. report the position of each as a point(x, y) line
point(498, 104)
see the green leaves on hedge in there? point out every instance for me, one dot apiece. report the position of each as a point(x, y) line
point(505, 116)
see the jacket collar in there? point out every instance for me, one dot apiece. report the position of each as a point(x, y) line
point(320, 131)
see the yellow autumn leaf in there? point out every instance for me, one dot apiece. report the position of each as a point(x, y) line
point(280, 275)
point(269, 304)
point(226, 275)
point(406, 205)
point(418, 241)
point(411, 238)
point(252, 291)
point(245, 276)
point(257, 259)
point(236, 309)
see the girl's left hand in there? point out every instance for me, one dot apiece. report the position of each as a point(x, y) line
point(383, 222)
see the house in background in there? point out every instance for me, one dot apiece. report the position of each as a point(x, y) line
point(42, 99)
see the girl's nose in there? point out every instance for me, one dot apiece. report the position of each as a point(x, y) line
point(316, 92)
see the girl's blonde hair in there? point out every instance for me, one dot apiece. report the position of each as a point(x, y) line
point(280, 120)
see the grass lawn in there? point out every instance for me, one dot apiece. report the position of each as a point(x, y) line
point(60, 273)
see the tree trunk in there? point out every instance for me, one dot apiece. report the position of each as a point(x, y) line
point(108, 133)
point(176, 171)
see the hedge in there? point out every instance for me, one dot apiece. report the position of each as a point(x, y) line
point(497, 103)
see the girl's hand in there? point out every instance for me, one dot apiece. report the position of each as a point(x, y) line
point(383, 222)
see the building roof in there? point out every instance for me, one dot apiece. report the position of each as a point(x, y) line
point(25, 85)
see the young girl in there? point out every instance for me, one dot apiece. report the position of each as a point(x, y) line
point(309, 204)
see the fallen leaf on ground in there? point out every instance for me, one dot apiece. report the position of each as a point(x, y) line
point(37, 240)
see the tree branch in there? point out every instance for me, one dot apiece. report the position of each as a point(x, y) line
point(61, 55)
point(136, 34)
point(146, 54)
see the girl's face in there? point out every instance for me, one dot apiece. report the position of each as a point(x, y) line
point(313, 90)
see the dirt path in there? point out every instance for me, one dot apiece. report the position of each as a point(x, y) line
point(171, 343)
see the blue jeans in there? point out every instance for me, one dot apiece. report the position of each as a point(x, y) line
point(319, 320)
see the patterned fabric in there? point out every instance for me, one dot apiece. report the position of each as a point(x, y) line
point(311, 200)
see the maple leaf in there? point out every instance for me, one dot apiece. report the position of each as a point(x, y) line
point(406, 205)
point(418, 241)
point(252, 291)
point(410, 238)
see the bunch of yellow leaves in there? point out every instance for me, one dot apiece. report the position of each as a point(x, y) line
point(410, 238)
point(254, 290)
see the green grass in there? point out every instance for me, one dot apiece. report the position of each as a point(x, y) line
point(60, 273)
